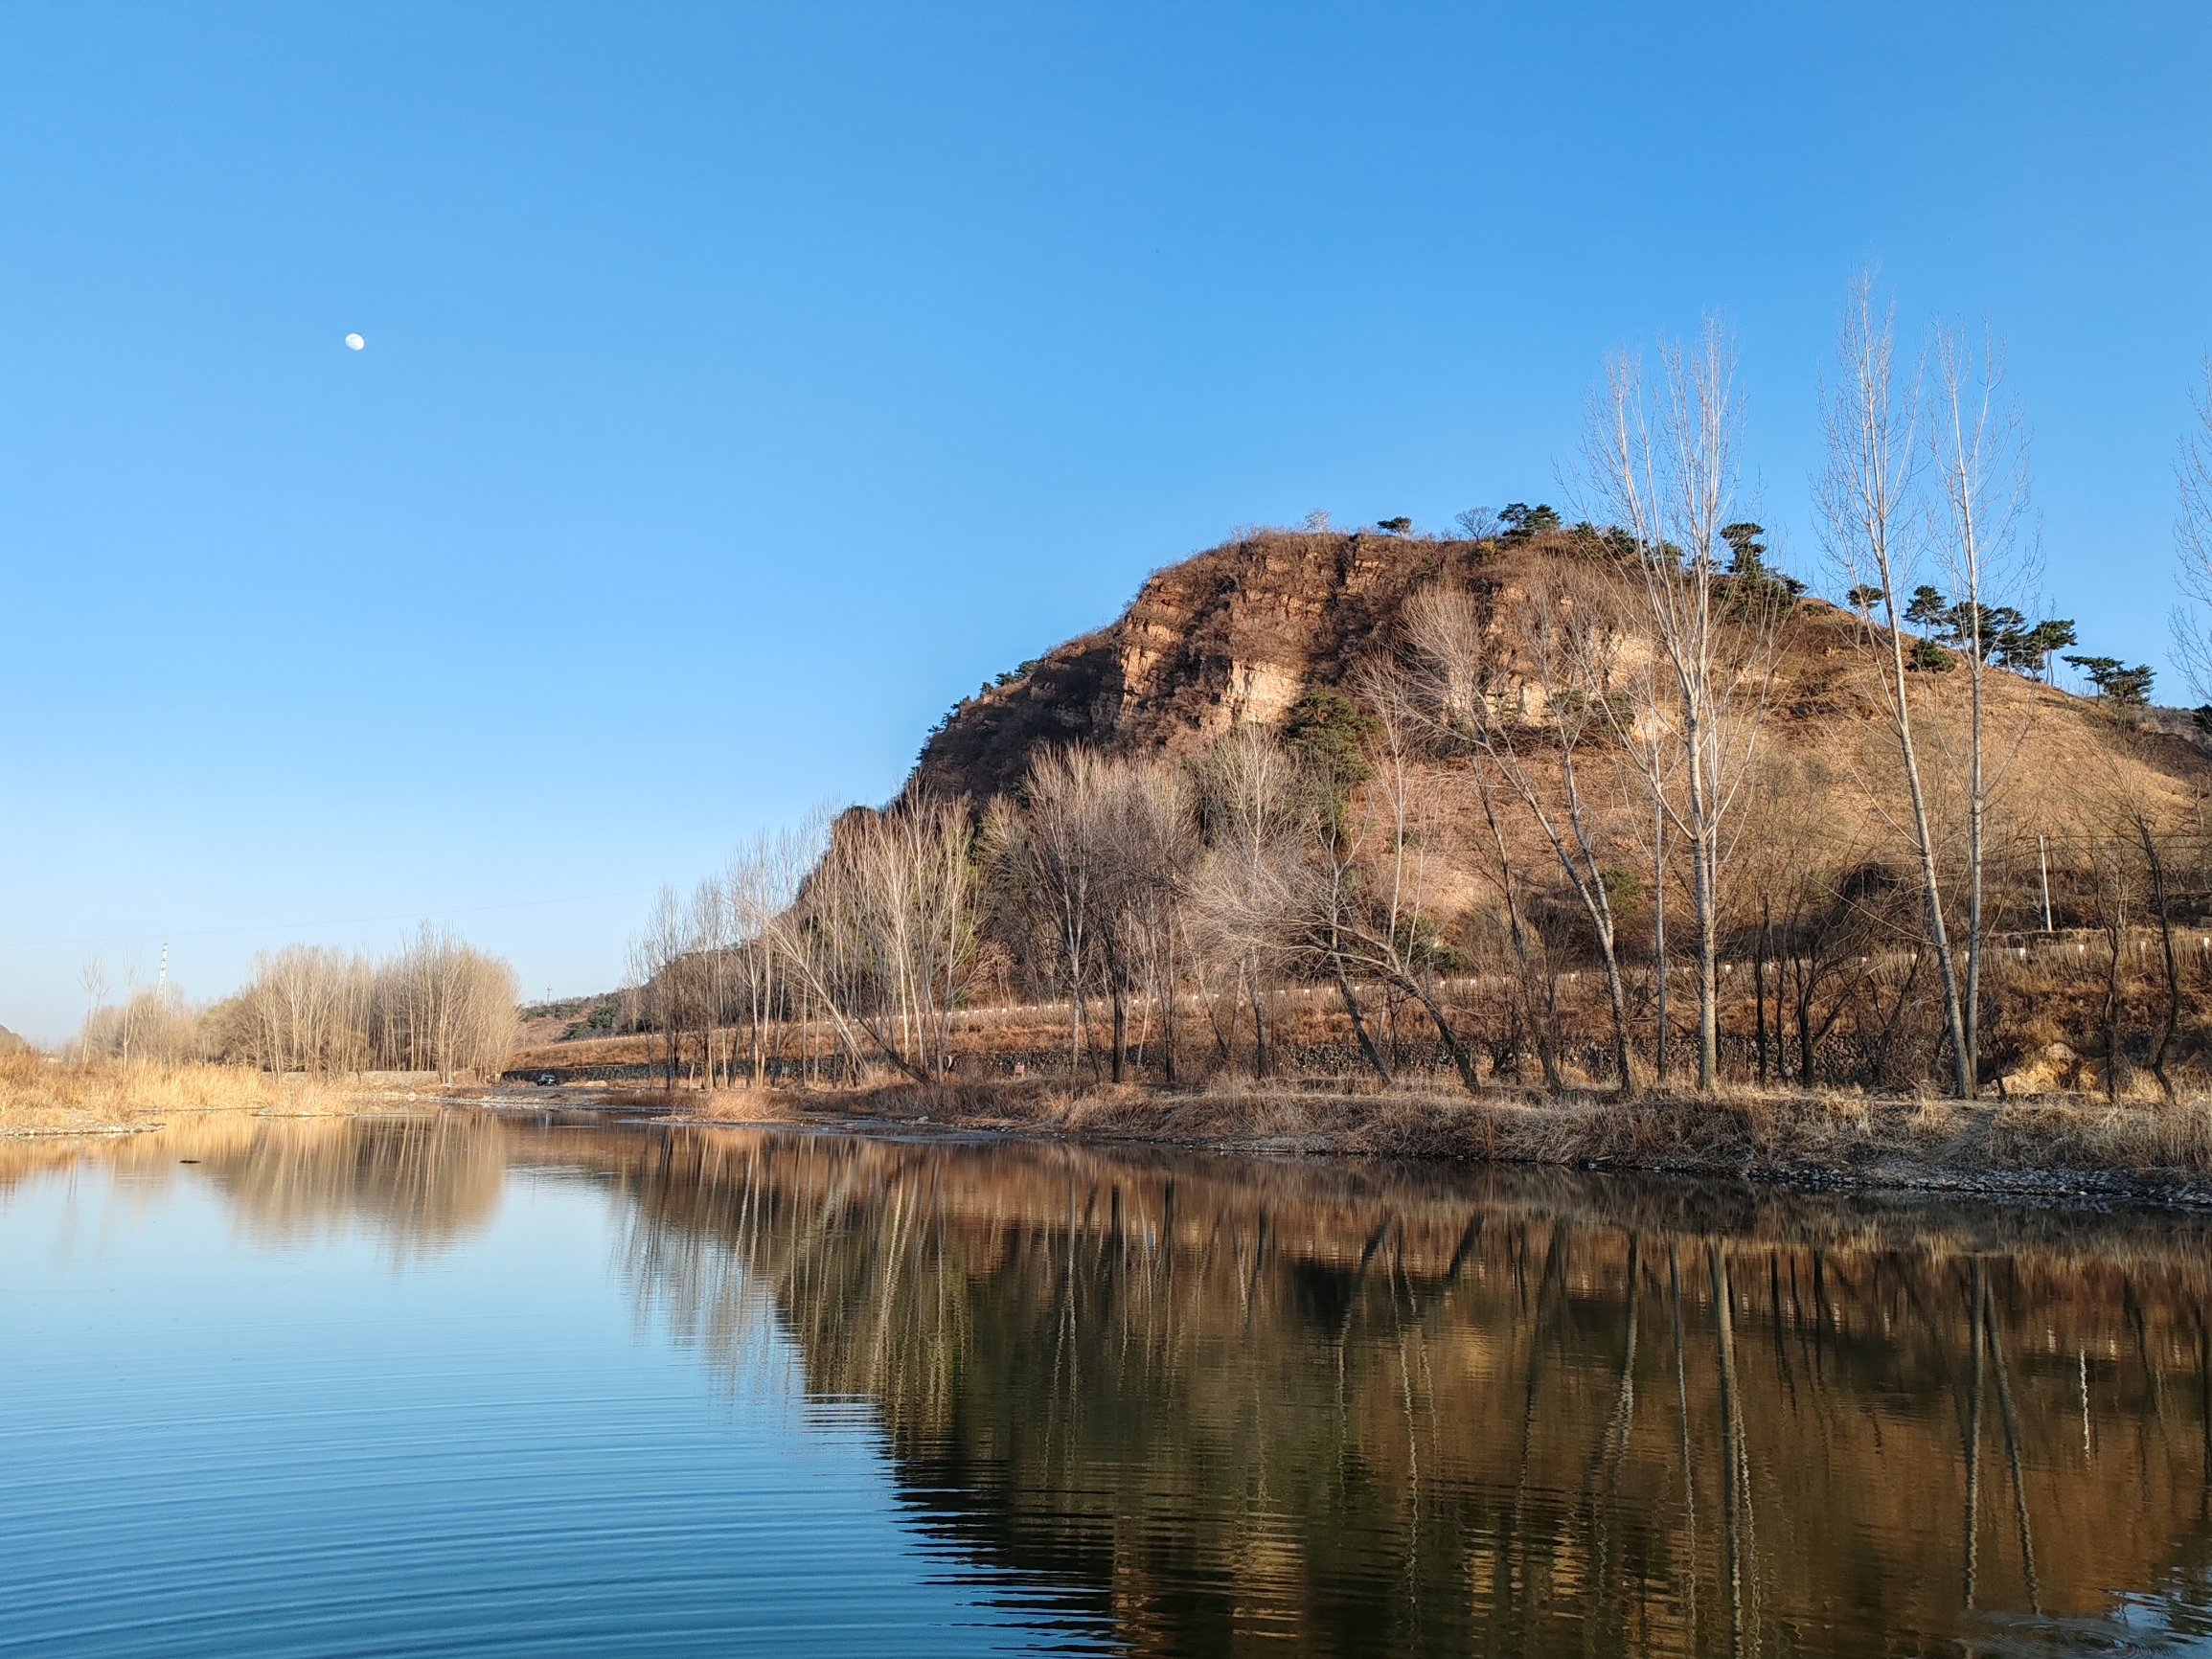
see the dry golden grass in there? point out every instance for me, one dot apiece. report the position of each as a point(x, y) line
point(1854, 1137)
point(2151, 1147)
point(42, 1095)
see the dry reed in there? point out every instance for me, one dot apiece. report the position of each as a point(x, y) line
point(41, 1095)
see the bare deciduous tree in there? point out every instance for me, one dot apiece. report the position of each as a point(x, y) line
point(435, 1005)
point(1661, 463)
point(891, 909)
point(158, 1027)
point(760, 885)
point(1058, 843)
point(1152, 848)
point(1978, 449)
point(1248, 888)
point(1364, 905)
point(440, 1004)
point(92, 975)
point(1522, 716)
point(655, 954)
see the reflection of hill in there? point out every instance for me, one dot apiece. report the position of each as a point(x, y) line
point(1384, 1410)
point(1381, 1409)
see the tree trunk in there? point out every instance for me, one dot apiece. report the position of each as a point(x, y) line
point(1358, 1025)
point(1616, 993)
point(1708, 958)
point(1168, 1015)
point(2115, 941)
point(1805, 1027)
point(1932, 888)
point(1519, 937)
point(1259, 1028)
point(1461, 1059)
point(2173, 1023)
point(1969, 1012)
point(1759, 983)
point(1659, 938)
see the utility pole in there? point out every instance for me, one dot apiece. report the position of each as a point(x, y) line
point(161, 979)
point(2043, 862)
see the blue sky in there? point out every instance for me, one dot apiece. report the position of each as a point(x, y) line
point(745, 385)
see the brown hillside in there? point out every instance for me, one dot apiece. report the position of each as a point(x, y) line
point(1242, 631)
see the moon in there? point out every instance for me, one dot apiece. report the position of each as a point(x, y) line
point(355, 342)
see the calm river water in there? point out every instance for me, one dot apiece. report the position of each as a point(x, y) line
point(459, 1385)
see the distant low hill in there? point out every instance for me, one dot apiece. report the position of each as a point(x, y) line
point(568, 1019)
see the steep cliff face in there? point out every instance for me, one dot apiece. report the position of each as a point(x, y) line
point(1240, 633)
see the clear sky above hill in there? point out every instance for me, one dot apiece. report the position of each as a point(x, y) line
point(743, 385)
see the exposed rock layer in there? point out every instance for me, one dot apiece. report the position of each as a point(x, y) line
point(1240, 633)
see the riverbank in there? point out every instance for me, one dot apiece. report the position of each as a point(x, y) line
point(2069, 1145)
point(2051, 1146)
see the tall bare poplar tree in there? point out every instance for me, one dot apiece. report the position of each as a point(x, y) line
point(1057, 845)
point(1978, 449)
point(437, 1004)
point(1151, 846)
point(654, 956)
point(760, 883)
point(1866, 494)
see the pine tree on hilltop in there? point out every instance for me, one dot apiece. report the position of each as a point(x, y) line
point(2116, 683)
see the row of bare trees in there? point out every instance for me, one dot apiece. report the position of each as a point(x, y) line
point(157, 1026)
point(1932, 466)
point(436, 1003)
point(1245, 890)
point(1134, 894)
point(868, 926)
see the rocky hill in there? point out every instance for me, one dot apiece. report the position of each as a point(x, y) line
point(1240, 633)
point(1243, 630)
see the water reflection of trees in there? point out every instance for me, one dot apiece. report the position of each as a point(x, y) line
point(1399, 1409)
point(417, 1183)
point(1381, 1409)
